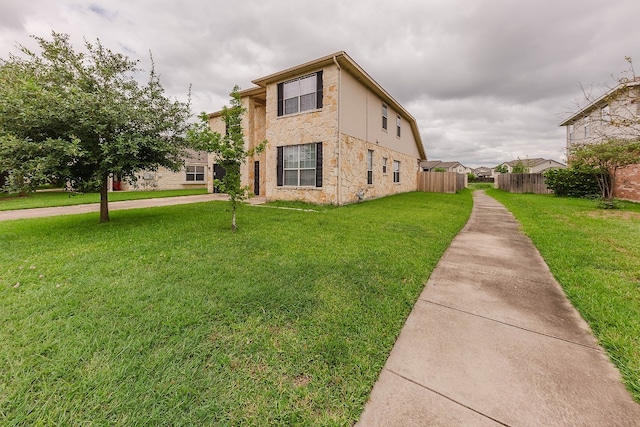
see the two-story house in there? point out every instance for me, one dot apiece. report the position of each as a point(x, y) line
point(615, 114)
point(335, 135)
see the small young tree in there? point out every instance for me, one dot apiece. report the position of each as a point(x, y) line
point(519, 167)
point(606, 158)
point(229, 150)
point(502, 169)
point(82, 116)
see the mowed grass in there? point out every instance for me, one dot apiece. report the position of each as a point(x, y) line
point(44, 199)
point(595, 255)
point(164, 317)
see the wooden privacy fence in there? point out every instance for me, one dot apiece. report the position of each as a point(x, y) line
point(441, 182)
point(522, 183)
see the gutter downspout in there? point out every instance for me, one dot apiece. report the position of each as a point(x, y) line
point(339, 179)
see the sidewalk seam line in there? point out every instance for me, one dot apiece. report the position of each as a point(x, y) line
point(448, 398)
point(510, 325)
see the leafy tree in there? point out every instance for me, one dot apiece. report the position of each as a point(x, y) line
point(606, 158)
point(229, 150)
point(576, 181)
point(502, 169)
point(81, 116)
point(519, 167)
point(439, 170)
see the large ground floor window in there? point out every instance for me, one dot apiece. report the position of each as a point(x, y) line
point(300, 165)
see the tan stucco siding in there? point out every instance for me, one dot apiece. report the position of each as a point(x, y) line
point(361, 117)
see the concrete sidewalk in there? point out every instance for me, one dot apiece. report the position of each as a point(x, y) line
point(494, 341)
point(114, 206)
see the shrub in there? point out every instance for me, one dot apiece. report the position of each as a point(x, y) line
point(576, 181)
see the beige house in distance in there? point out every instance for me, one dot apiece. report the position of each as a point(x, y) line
point(536, 165)
point(194, 174)
point(335, 135)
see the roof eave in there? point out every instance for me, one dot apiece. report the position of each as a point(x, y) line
point(598, 102)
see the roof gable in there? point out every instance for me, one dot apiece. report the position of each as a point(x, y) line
point(345, 62)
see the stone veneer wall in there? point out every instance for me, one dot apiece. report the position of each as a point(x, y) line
point(305, 128)
point(354, 171)
point(628, 183)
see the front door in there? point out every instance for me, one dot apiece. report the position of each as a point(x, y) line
point(256, 178)
point(218, 173)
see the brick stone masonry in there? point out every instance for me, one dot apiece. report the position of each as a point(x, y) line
point(628, 183)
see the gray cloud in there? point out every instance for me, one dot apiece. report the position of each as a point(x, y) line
point(487, 81)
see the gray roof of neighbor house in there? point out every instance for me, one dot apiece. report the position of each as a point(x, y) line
point(601, 101)
point(449, 164)
point(429, 164)
point(346, 63)
point(529, 162)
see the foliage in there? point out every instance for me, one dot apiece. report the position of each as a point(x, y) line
point(576, 181)
point(606, 158)
point(229, 150)
point(439, 170)
point(146, 322)
point(82, 116)
point(595, 256)
point(519, 167)
point(502, 168)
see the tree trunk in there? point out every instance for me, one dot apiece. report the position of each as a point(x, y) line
point(104, 201)
point(233, 218)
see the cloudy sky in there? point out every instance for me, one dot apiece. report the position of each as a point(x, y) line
point(487, 80)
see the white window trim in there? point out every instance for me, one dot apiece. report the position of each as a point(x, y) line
point(298, 169)
point(299, 95)
point(385, 117)
point(396, 171)
point(195, 174)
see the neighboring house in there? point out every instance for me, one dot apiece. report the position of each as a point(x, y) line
point(431, 165)
point(194, 174)
point(534, 165)
point(334, 135)
point(483, 172)
point(615, 114)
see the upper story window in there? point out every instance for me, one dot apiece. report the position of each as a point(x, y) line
point(605, 114)
point(301, 94)
point(384, 116)
point(586, 126)
point(398, 126)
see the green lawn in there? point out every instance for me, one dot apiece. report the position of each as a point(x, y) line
point(595, 255)
point(164, 317)
point(44, 199)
